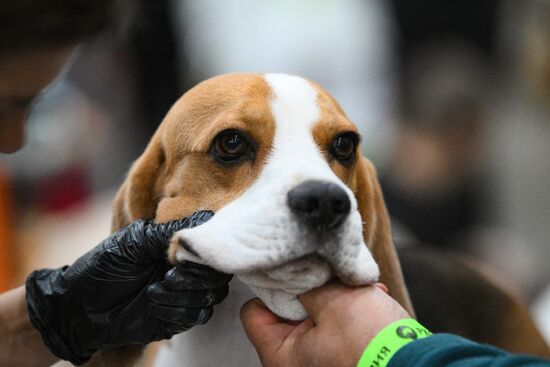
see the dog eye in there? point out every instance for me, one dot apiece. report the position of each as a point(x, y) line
point(230, 146)
point(343, 147)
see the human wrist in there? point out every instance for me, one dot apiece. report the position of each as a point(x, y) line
point(390, 340)
point(19, 336)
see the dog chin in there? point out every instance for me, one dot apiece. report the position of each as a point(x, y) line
point(279, 287)
point(283, 304)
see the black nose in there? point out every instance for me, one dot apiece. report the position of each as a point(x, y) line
point(321, 204)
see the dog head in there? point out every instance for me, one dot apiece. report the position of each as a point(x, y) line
point(279, 162)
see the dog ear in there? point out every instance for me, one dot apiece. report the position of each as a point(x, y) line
point(137, 197)
point(377, 232)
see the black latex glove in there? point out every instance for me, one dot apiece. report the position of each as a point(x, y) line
point(123, 292)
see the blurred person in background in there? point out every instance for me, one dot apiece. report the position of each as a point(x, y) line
point(433, 184)
point(123, 291)
point(432, 181)
point(534, 70)
point(469, 172)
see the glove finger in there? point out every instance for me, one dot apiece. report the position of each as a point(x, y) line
point(172, 329)
point(184, 317)
point(194, 220)
point(157, 235)
point(164, 231)
point(158, 294)
point(191, 276)
point(166, 330)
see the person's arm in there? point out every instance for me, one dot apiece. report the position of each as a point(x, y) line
point(447, 350)
point(18, 337)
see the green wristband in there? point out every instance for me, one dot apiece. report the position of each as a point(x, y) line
point(388, 341)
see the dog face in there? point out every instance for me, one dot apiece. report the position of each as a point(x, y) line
point(279, 162)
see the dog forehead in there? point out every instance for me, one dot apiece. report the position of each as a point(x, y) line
point(230, 97)
point(289, 107)
point(303, 111)
point(225, 91)
point(293, 102)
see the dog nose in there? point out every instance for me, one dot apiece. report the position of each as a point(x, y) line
point(323, 205)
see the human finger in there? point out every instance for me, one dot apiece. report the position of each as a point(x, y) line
point(265, 330)
point(382, 287)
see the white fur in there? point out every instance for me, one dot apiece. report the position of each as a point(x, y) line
point(257, 237)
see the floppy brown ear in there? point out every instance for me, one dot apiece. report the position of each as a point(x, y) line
point(138, 198)
point(377, 232)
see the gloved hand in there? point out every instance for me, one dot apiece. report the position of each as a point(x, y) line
point(123, 292)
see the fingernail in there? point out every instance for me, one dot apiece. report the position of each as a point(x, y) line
point(382, 287)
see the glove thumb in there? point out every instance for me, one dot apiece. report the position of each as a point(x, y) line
point(157, 235)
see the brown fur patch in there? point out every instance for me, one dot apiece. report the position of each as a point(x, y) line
point(332, 122)
point(377, 231)
point(177, 174)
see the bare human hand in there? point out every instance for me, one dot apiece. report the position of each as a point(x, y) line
point(343, 320)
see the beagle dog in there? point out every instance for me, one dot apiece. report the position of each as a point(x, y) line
point(296, 203)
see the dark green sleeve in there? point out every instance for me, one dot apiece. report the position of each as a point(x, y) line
point(444, 350)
